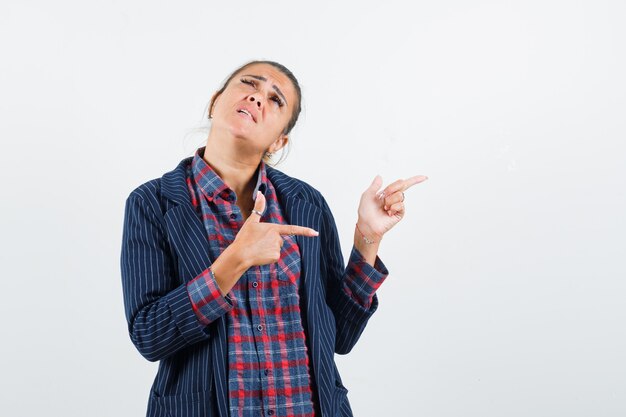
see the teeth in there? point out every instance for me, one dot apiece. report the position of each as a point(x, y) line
point(246, 112)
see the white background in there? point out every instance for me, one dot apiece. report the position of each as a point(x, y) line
point(506, 293)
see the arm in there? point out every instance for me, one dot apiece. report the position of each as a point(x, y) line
point(378, 213)
point(350, 315)
point(159, 310)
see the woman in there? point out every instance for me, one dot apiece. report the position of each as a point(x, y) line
point(232, 272)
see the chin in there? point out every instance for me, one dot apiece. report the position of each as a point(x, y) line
point(238, 129)
point(240, 133)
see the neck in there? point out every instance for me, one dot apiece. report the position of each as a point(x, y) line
point(233, 167)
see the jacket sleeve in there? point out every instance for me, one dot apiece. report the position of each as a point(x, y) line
point(159, 311)
point(362, 279)
point(351, 316)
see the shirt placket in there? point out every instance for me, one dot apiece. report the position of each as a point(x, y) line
point(231, 215)
point(255, 280)
point(262, 339)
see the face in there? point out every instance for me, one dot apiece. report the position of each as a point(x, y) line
point(255, 107)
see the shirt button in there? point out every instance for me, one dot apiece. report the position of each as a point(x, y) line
point(210, 193)
point(270, 412)
point(255, 284)
point(267, 371)
point(233, 215)
point(259, 327)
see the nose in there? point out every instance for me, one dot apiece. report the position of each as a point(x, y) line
point(253, 100)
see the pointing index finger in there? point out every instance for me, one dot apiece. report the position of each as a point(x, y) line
point(409, 182)
point(403, 185)
point(290, 229)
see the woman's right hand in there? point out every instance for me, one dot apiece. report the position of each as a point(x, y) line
point(260, 242)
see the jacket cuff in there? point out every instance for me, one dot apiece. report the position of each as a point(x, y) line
point(206, 298)
point(362, 279)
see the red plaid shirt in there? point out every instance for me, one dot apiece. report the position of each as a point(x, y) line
point(268, 361)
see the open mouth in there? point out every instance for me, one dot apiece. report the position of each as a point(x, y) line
point(246, 114)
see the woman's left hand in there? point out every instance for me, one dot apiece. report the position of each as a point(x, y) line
point(379, 212)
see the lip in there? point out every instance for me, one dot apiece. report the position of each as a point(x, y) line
point(249, 110)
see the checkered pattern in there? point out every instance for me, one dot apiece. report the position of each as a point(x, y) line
point(268, 361)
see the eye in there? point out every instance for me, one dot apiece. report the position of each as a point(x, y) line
point(278, 100)
point(274, 98)
point(243, 80)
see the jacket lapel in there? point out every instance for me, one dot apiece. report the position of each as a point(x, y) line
point(300, 212)
point(187, 234)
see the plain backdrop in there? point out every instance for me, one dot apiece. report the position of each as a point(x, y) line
point(506, 292)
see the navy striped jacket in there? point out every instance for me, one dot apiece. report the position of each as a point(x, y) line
point(165, 245)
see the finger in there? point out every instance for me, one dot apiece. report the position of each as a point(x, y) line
point(403, 185)
point(259, 205)
point(375, 185)
point(390, 189)
point(290, 229)
point(396, 208)
point(416, 179)
point(396, 197)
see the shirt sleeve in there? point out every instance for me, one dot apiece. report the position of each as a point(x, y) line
point(207, 299)
point(362, 279)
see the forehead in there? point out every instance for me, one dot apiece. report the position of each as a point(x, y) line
point(268, 71)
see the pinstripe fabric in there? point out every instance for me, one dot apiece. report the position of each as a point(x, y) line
point(165, 246)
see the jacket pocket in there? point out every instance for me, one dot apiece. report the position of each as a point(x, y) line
point(195, 404)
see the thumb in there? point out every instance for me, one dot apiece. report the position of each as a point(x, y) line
point(375, 185)
point(259, 205)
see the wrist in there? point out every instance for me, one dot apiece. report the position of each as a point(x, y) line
point(236, 256)
point(367, 250)
point(229, 266)
point(366, 234)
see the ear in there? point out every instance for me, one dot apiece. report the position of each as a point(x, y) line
point(279, 143)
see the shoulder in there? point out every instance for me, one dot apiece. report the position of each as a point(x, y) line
point(144, 202)
point(146, 196)
point(310, 193)
point(289, 185)
point(146, 191)
point(160, 192)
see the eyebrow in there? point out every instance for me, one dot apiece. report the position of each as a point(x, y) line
point(259, 77)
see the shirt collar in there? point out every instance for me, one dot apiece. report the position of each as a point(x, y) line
point(212, 184)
